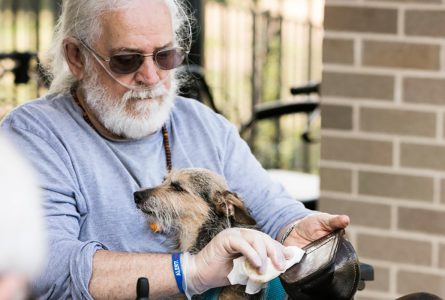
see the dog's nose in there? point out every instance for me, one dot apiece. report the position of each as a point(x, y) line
point(139, 196)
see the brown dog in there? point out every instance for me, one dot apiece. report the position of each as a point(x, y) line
point(190, 207)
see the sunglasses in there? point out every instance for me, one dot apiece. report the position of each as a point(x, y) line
point(127, 63)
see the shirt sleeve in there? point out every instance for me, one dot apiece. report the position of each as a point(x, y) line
point(69, 262)
point(267, 201)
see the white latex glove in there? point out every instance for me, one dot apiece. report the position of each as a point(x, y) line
point(243, 273)
point(209, 268)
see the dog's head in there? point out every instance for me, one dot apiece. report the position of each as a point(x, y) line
point(191, 206)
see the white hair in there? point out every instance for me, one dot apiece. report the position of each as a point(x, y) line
point(22, 237)
point(79, 18)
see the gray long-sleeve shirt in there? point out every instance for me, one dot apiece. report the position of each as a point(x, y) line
point(88, 182)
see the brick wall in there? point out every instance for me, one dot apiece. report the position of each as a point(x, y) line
point(383, 138)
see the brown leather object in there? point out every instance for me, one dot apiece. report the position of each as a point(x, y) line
point(328, 270)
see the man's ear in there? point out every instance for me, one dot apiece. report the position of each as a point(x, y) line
point(229, 204)
point(74, 57)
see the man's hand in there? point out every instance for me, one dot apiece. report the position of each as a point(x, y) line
point(313, 227)
point(209, 268)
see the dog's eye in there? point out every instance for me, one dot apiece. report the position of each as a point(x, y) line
point(176, 186)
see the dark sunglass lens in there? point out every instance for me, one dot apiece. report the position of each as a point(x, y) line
point(170, 58)
point(126, 63)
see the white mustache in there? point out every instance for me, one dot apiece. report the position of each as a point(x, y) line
point(145, 93)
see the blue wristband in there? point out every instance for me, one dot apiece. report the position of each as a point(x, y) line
point(177, 270)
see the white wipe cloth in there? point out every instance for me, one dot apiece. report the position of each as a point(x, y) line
point(243, 272)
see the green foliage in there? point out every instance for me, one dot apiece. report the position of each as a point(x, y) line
point(279, 144)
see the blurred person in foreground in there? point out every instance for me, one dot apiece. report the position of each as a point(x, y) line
point(22, 241)
point(113, 124)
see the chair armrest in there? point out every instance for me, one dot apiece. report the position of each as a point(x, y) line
point(279, 108)
point(311, 88)
point(366, 274)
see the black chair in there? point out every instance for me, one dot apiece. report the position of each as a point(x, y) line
point(293, 181)
point(142, 288)
point(302, 186)
point(197, 88)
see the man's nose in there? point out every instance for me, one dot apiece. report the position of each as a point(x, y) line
point(148, 72)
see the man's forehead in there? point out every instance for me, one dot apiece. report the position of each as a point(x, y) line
point(145, 24)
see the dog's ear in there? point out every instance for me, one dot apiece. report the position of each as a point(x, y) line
point(229, 204)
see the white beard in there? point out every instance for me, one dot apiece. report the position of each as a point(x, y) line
point(150, 108)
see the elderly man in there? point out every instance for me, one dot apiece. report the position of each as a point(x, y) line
point(112, 125)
